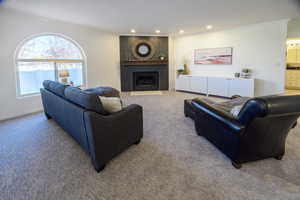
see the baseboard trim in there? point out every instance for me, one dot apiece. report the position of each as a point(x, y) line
point(20, 116)
point(210, 95)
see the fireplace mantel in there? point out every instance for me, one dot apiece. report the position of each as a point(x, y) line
point(145, 63)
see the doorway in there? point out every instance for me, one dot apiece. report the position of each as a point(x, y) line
point(292, 79)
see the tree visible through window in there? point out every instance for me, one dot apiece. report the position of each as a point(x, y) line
point(48, 57)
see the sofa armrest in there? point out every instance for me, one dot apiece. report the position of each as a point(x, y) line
point(216, 114)
point(112, 134)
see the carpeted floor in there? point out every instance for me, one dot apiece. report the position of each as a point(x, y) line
point(38, 161)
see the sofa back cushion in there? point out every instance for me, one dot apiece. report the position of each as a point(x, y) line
point(55, 87)
point(104, 91)
point(86, 99)
point(269, 106)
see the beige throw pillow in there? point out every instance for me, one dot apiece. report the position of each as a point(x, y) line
point(111, 104)
point(236, 110)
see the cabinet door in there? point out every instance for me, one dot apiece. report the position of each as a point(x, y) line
point(218, 86)
point(287, 79)
point(292, 79)
point(242, 87)
point(291, 55)
point(198, 84)
point(298, 54)
point(183, 83)
point(297, 75)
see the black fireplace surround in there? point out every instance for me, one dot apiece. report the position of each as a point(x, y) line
point(143, 77)
point(145, 81)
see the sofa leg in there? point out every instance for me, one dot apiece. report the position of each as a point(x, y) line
point(278, 157)
point(236, 165)
point(138, 142)
point(294, 125)
point(48, 116)
point(101, 168)
point(199, 134)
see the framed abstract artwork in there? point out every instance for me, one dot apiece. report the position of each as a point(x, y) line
point(215, 56)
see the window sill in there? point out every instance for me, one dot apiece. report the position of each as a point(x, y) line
point(28, 95)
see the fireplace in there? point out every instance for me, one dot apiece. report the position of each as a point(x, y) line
point(145, 81)
point(141, 65)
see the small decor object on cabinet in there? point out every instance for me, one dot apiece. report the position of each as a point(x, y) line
point(216, 56)
point(237, 75)
point(246, 73)
point(180, 72)
point(185, 65)
point(185, 68)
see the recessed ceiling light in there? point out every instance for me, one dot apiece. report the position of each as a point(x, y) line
point(132, 31)
point(208, 27)
point(181, 31)
point(157, 31)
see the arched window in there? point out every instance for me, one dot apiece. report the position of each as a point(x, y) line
point(48, 57)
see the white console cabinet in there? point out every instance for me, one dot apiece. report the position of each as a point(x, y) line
point(183, 83)
point(219, 86)
point(198, 84)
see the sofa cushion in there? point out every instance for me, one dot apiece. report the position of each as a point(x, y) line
point(104, 91)
point(228, 106)
point(85, 98)
point(55, 87)
point(236, 110)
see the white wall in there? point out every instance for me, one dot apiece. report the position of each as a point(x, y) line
point(294, 28)
point(260, 47)
point(102, 50)
point(172, 67)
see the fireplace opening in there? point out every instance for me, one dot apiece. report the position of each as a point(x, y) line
point(145, 81)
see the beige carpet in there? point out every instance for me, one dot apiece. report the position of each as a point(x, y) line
point(39, 161)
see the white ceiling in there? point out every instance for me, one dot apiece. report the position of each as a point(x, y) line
point(169, 16)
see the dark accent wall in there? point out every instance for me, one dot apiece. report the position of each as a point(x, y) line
point(130, 64)
point(126, 43)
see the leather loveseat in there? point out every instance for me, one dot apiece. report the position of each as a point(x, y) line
point(259, 130)
point(81, 114)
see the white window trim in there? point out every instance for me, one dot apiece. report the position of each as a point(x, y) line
point(17, 60)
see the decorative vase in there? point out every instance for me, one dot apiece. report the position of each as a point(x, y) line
point(237, 75)
point(186, 70)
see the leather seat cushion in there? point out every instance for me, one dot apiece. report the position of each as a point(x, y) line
point(227, 106)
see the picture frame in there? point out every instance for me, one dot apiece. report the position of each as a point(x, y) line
point(213, 56)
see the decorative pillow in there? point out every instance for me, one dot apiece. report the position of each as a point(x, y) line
point(236, 110)
point(111, 104)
